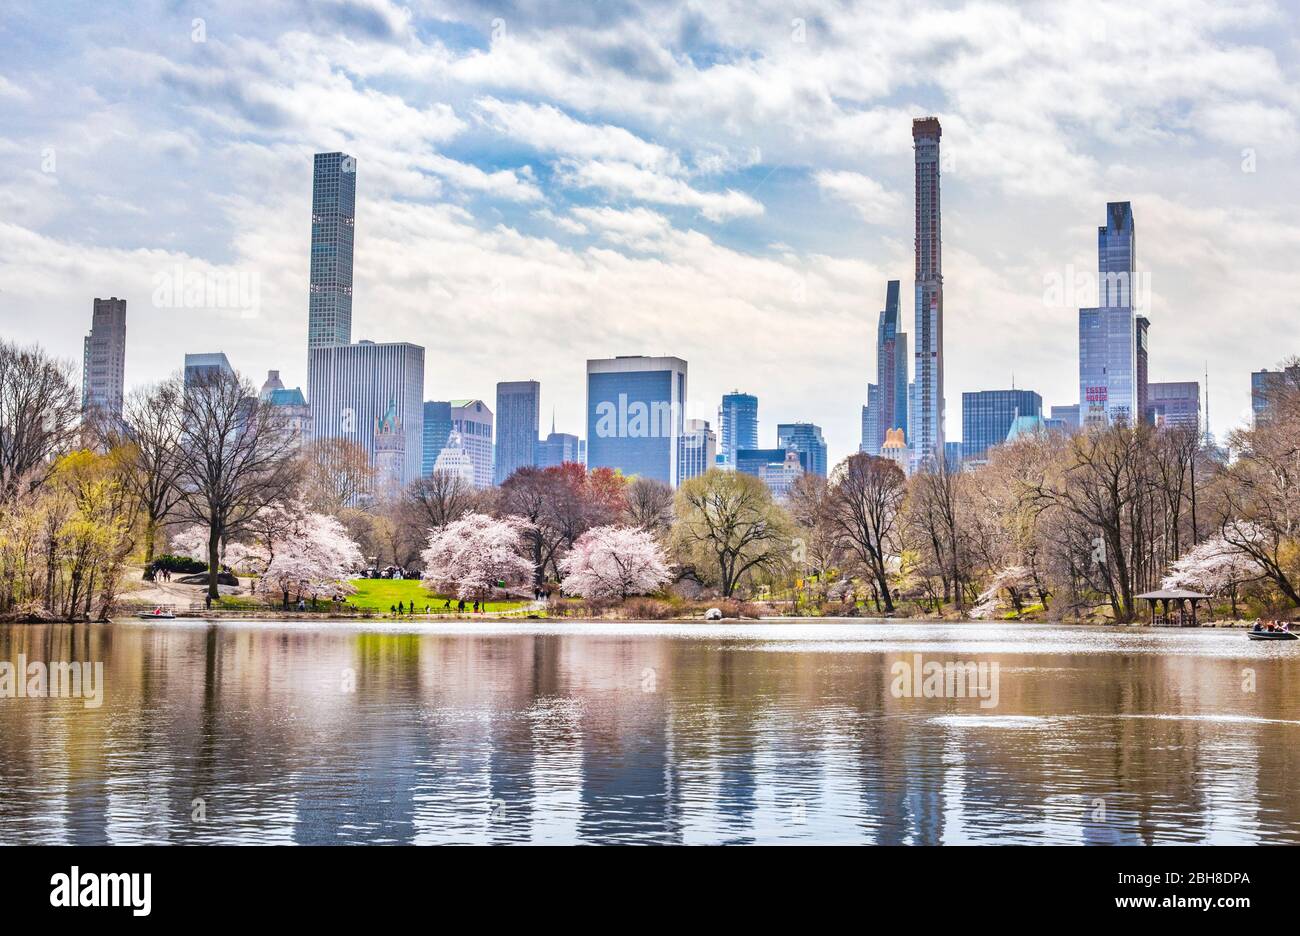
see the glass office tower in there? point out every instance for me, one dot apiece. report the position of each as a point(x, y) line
point(333, 224)
point(1108, 333)
point(635, 415)
point(737, 424)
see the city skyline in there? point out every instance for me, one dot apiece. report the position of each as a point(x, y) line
point(518, 205)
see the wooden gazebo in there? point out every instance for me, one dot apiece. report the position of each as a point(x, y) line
point(1180, 598)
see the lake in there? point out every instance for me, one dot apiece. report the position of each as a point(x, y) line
point(774, 732)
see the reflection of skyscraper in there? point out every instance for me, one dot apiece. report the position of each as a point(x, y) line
point(1108, 334)
point(927, 443)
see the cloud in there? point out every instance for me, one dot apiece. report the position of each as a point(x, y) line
point(873, 203)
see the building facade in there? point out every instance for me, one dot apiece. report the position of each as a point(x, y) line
point(473, 421)
point(289, 404)
point(518, 420)
point(1266, 384)
point(635, 415)
point(351, 387)
point(333, 227)
point(1142, 350)
point(436, 432)
point(1068, 416)
point(737, 425)
point(699, 449)
point(558, 448)
point(753, 461)
point(103, 364)
point(781, 476)
point(891, 369)
point(205, 366)
point(1108, 359)
point(1175, 403)
point(806, 438)
point(870, 422)
point(927, 439)
point(987, 416)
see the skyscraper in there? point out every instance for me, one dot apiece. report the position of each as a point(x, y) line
point(104, 358)
point(805, 438)
point(871, 422)
point(1108, 358)
point(205, 366)
point(518, 420)
point(1143, 365)
point(987, 416)
point(333, 221)
point(1176, 403)
point(558, 448)
point(699, 449)
point(353, 388)
point(737, 424)
point(928, 443)
point(635, 415)
point(891, 368)
point(1265, 385)
point(437, 430)
point(473, 421)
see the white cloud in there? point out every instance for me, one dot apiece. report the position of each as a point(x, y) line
point(873, 203)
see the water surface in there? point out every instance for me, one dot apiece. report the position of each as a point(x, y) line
point(690, 733)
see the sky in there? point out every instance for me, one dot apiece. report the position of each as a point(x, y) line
point(727, 182)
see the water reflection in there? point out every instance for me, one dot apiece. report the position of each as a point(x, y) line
point(649, 733)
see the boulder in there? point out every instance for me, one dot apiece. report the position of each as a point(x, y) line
point(713, 614)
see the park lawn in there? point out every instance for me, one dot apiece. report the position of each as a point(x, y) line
point(382, 594)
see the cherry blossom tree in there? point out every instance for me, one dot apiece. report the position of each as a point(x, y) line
point(614, 562)
point(1015, 580)
point(1217, 567)
point(311, 555)
point(473, 555)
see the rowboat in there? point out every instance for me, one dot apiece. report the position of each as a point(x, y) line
point(1270, 635)
point(157, 614)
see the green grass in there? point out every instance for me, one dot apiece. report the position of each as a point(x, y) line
point(382, 594)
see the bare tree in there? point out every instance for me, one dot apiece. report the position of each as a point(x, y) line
point(149, 438)
point(441, 498)
point(38, 416)
point(235, 459)
point(336, 473)
point(650, 505)
point(866, 500)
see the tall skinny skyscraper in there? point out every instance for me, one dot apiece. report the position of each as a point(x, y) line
point(891, 368)
point(1108, 342)
point(928, 438)
point(333, 224)
point(104, 358)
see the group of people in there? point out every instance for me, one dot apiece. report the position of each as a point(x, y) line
point(402, 608)
point(541, 594)
point(1272, 626)
point(163, 573)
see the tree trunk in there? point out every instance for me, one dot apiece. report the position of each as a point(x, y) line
point(214, 554)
